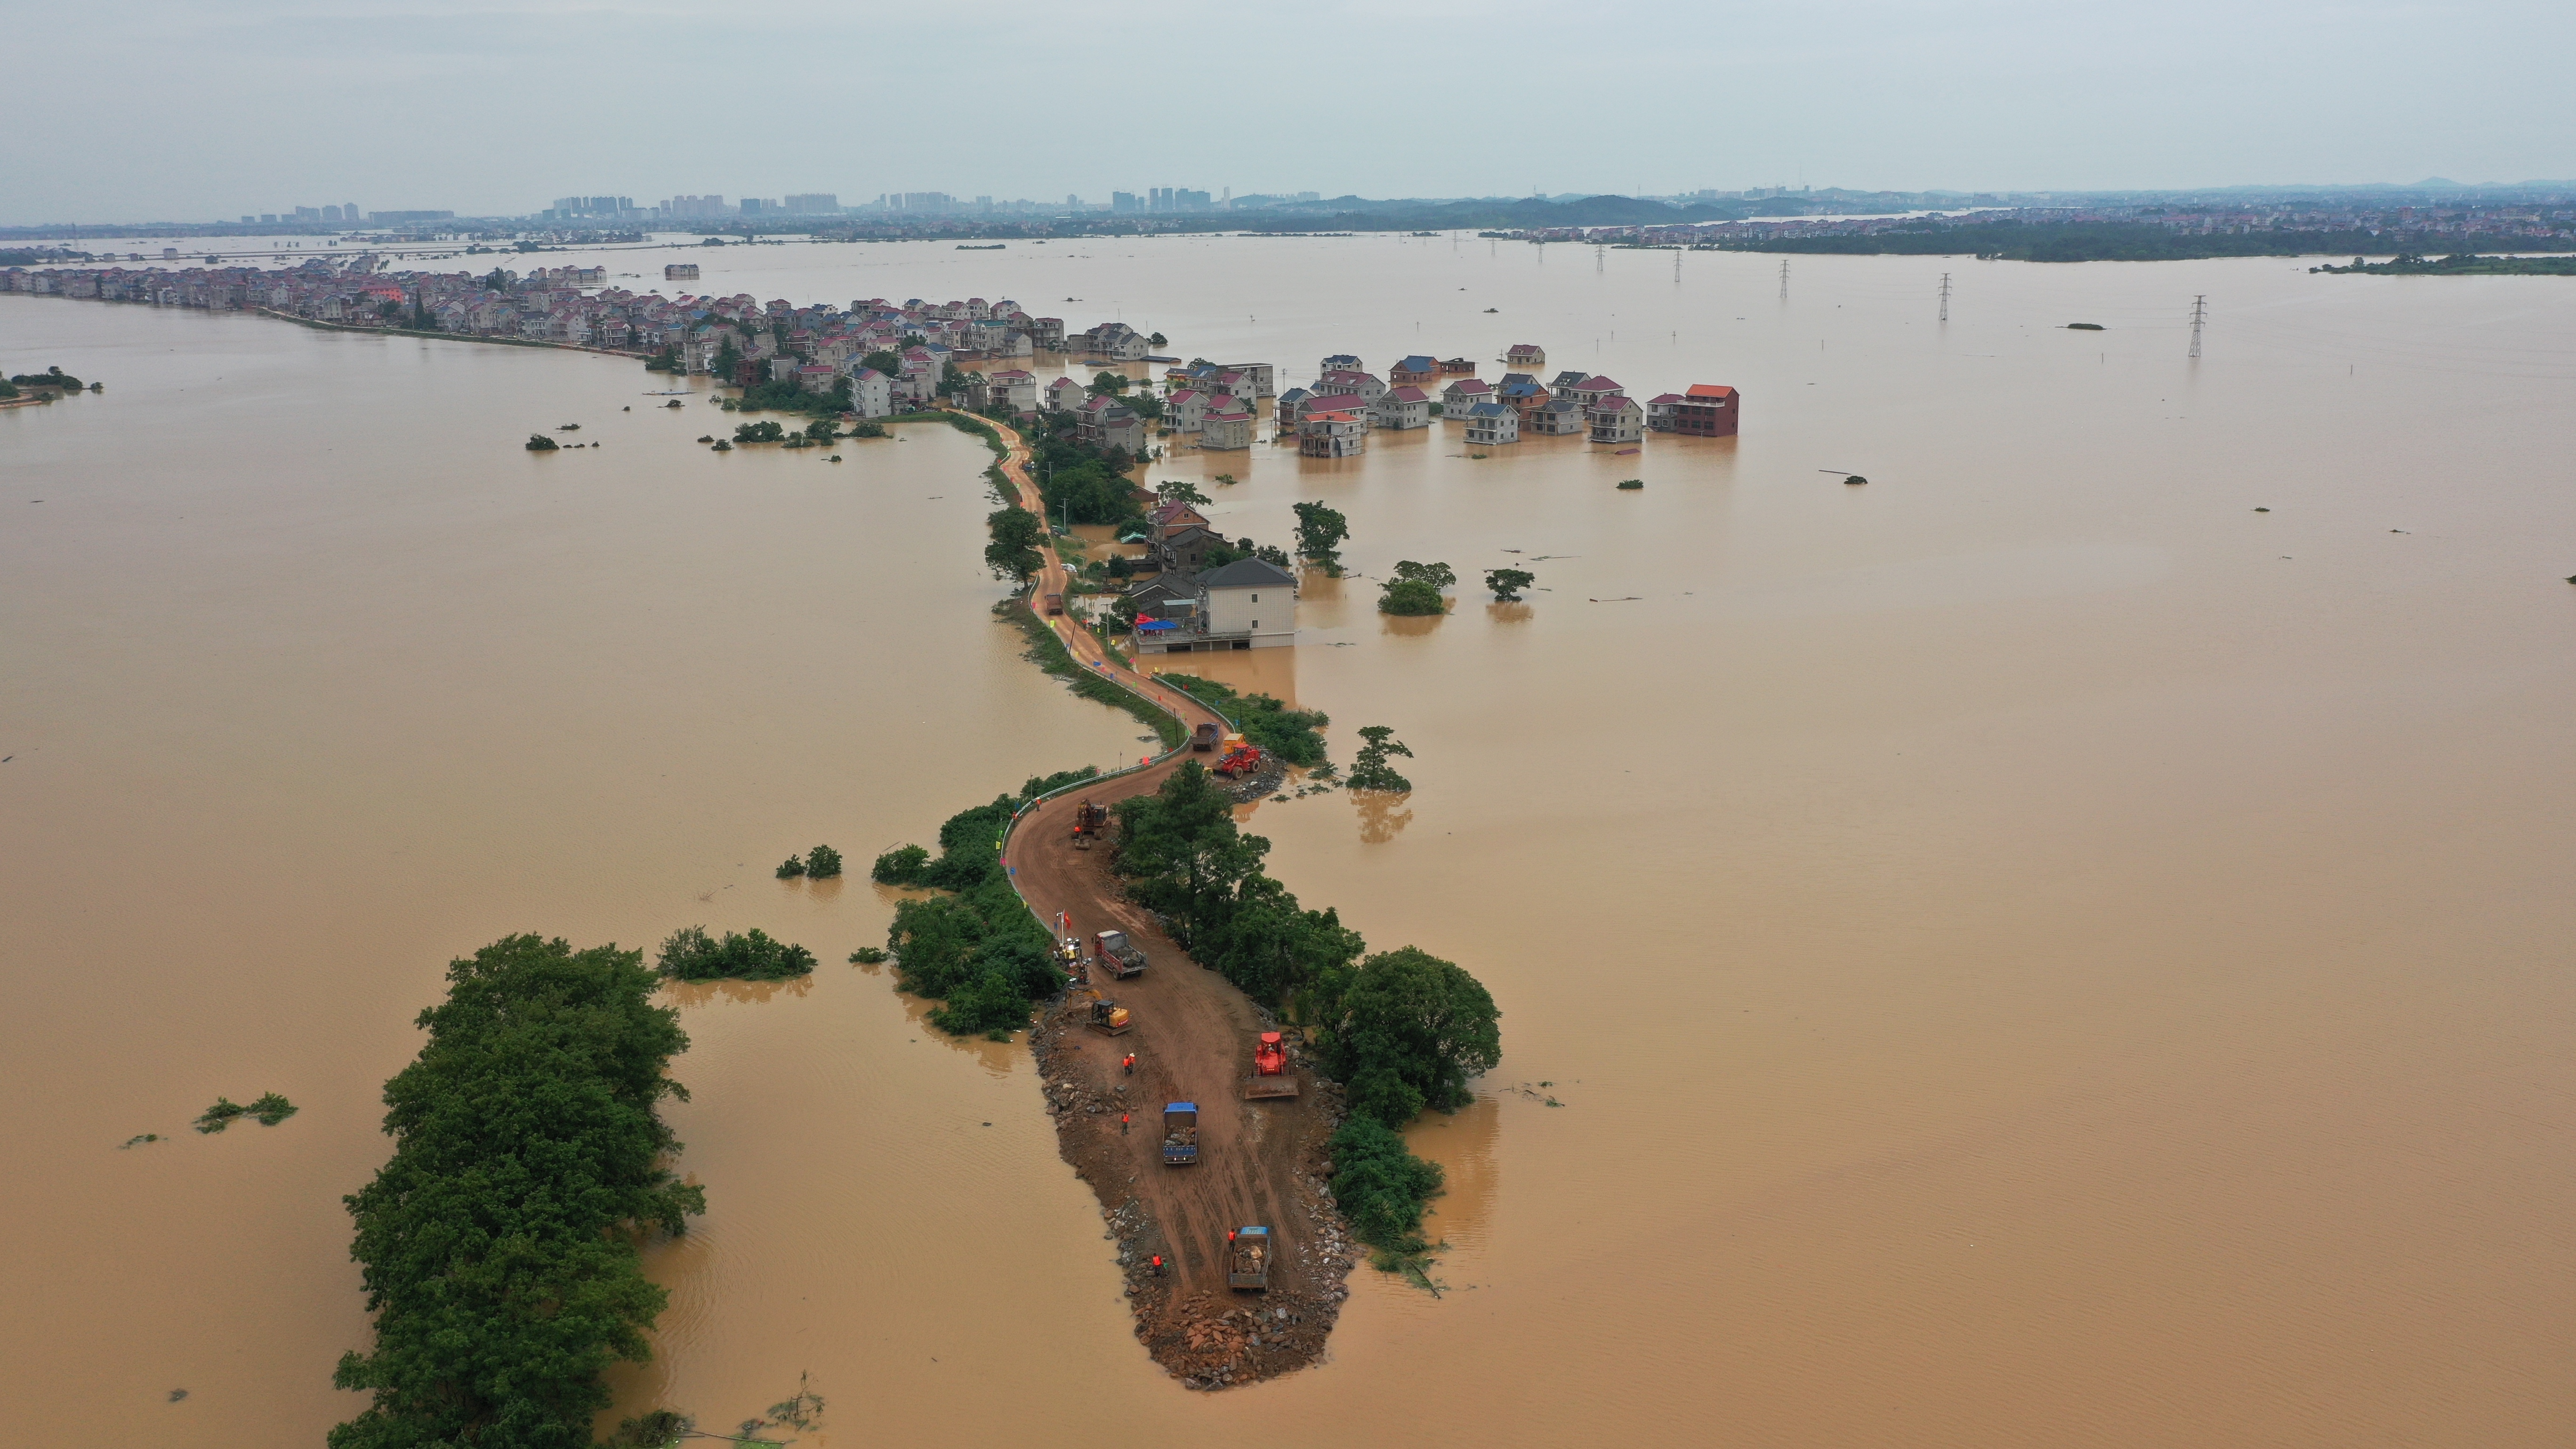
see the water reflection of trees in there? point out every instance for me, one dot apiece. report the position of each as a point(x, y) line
point(1382, 817)
point(1517, 612)
point(703, 993)
point(997, 1058)
point(1409, 626)
point(1462, 1142)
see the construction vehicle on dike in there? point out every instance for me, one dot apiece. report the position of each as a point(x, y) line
point(1270, 1076)
point(1203, 739)
point(1118, 956)
point(1247, 1259)
point(1180, 1134)
point(1241, 757)
point(1110, 1019)
point(1089, 822)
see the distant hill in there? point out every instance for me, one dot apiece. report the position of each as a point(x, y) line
point(2107, 241)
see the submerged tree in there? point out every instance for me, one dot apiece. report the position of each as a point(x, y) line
point(1320, 533)
point(1508, 583)
point(1371, 771)
point(1013, 553)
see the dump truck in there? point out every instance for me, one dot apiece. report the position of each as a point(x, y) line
point(1110, 1019)
point(1180, 1134)
point(1203, 739)
point(1247, 1259)
point(1270, 1077)
point(1089, 821)
point(1118, 956)
point(1055, 603)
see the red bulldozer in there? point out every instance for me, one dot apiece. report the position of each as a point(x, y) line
point(1270, 1076)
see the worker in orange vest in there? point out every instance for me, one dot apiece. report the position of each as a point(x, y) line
point(1122, 1124)
point(1158, 1265)
point(1128, 1067)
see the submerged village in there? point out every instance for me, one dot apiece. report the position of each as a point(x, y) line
point(1190, 589)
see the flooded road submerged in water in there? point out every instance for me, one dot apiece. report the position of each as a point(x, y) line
point(2030, 951)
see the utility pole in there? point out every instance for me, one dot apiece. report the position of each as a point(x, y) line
point(1784, 276)
point(2199, 314)
point(1945, 296)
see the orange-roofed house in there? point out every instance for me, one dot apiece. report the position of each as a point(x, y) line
point(1707, 410)
point(1331, 434)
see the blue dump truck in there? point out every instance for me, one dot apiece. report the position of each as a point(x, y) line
point(1247, 1261)
point(1180, 1134)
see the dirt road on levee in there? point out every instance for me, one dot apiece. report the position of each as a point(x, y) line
point(1258, 1162)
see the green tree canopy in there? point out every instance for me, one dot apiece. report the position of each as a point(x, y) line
point(1320, 532)
point(1013, 553)
point(1508, 583)
point(498, 1246)
point(1370, 770)
point(1412, 1029)
point(1180, 490)
point(1410, 596)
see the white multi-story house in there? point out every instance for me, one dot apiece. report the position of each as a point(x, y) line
point(1262, 376)
point(1228, 427)
point(1063, 395)
point(1015, 388)
point(1459, 397)
point(1402, 407)
point(871, 392)
point(1492, 425)
point(1352, 381)
point(1330, 434)
point(1616, 419)
point(1247, 604)
point(1185, 411)
point(1592, 391)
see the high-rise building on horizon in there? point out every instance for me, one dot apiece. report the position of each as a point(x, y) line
point(814, 203)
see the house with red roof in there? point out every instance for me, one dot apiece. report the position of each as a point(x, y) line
point(1659, 411)
point(1615, 418)
point(1401, 407)
point(1458, 397)
point(1228, 426)
point(1351, 381)
point(1525, 354)
point(1592, 391)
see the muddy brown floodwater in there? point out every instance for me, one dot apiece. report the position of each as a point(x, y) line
point(2030, 951)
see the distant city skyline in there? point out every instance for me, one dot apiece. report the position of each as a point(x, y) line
point(192, 112)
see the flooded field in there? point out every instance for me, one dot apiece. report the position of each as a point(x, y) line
point(2032, 950)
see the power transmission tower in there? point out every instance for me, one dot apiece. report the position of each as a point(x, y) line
point(2199, 314)
point(1945, 296)
point(1784, 276)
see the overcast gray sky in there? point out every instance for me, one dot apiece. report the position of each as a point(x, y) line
point(155, 109)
